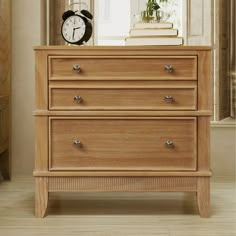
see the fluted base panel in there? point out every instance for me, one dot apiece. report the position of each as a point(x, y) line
point(122, 184)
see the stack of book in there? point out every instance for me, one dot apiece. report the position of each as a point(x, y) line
point(153, 34)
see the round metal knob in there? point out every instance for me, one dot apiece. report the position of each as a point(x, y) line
point(169, 99)
point(77, 143)
point(77, 99)
point(169, 144)
point(169, 68)
point(76, 68)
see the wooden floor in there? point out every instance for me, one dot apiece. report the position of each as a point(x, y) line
point(116, 214)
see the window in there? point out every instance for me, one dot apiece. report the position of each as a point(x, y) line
point(174, 9)
point(115, 18)
point(113, 21)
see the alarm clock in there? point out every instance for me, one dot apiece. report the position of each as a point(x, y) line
point(77, 28)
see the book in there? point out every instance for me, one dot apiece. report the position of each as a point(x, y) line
point(161, 25)
point(151, 41)
point(153, 32)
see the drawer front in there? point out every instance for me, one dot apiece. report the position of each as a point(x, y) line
point(122, 144)
point(139, 68)
point(122, 99)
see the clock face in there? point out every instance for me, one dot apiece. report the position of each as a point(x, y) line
point(73, 29)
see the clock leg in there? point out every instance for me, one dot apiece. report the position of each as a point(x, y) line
point(203, 196)
point(41, 196)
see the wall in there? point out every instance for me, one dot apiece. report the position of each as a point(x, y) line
point(223, 148)
point(27, 26)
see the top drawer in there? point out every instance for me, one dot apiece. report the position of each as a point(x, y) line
point(123, 68)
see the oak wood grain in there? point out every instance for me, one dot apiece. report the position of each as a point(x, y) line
point(5, 47)
point(111, 144)
point(122, 99)
point(5, 87)
point(4, 123)
point(203, 143)
point(203, 196)
point(125, 48)
point(41, 84)
point(205, 73)
point(123, 173)
point(123, 68)
point(123, 113)
point(122, 184)
point(124, 84)
point(41, 196)
point(41, 143)
point(122, 136)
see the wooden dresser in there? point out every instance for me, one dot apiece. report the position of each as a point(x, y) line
point(122, 119)
point(5, 88)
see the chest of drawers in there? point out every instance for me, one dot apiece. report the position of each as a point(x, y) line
point(122, 119)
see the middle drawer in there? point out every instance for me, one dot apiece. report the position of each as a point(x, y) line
point(152, 97)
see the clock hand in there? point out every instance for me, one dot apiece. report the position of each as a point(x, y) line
point(73, 33)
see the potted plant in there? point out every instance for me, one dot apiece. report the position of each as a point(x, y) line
point(151, 7)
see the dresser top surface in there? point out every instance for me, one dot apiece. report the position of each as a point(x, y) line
point(130, 48)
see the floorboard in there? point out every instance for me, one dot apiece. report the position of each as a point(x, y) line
point(116, 214)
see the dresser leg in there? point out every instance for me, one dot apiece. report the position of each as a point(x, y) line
point(41, 196)
point(203, 196)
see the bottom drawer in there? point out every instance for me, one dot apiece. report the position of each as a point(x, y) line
point(122, 144)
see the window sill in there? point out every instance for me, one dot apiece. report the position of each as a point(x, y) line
point(226, 123)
